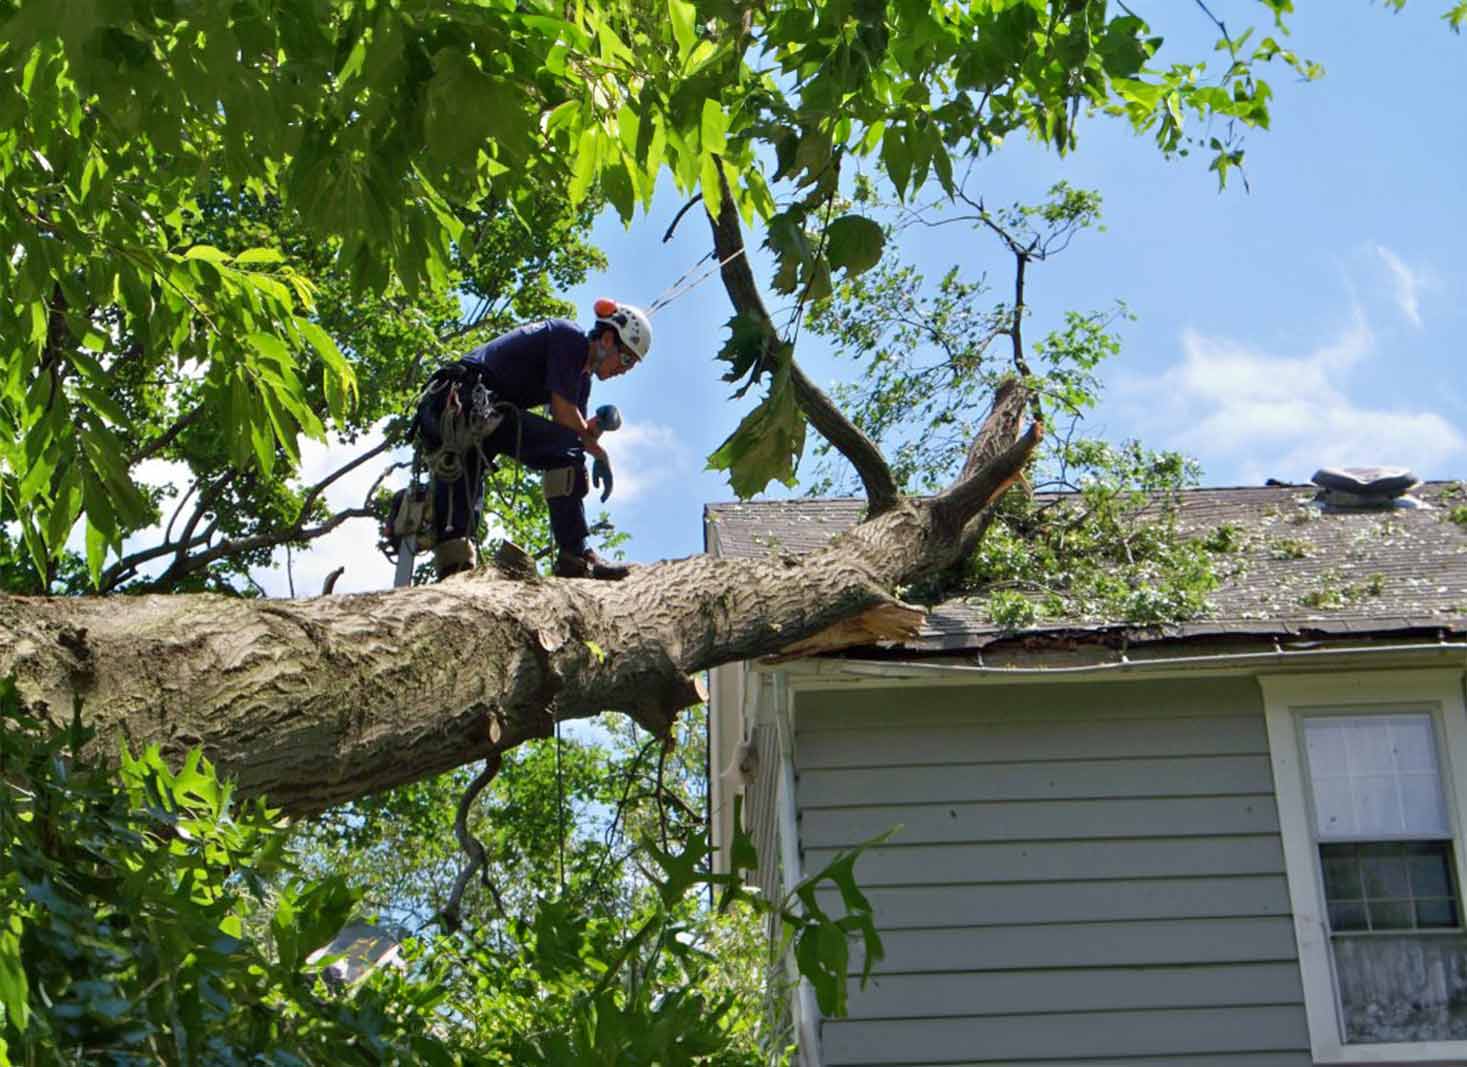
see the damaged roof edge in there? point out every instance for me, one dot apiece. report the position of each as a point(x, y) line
point(1093, 659)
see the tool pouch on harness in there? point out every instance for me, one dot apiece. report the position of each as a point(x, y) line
point(455, 413)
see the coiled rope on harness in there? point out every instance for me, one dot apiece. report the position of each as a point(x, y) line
point(462, 428)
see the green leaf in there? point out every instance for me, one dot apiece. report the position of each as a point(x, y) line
point(587, 151)
point(683, 869)
point(14, 988)
point(742, 855)
point(896, 157)
point(714, 127)
point(207, 253)
point(682, 15)
point(336, 374)
point(854, 244)
point(270, 347)
point(105, 406)
point(96, 548)
point(108, 458)
point(767, 445)
point(711, 187)
point(65, 508)
point(254, 256)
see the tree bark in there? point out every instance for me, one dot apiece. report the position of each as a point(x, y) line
point(317, 701)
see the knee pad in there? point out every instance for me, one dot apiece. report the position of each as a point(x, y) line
point(564, 481)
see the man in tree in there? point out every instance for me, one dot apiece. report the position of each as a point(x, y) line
point(478, 408)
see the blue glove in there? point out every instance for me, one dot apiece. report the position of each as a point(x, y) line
point(608, 417)
point(601, 472)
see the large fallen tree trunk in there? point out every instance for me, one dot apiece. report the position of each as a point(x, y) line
point(314, 702)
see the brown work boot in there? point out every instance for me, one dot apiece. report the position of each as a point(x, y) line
point(588, 565)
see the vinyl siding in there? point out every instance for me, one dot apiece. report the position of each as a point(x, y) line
point(1083, 874)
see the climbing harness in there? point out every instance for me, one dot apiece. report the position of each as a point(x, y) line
point(461, 426)
point(467, 413)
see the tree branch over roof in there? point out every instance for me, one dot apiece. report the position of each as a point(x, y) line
point(743, 293)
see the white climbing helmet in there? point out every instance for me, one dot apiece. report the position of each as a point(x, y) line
point(630, 323)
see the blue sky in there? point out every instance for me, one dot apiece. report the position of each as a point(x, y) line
point(1315, 320)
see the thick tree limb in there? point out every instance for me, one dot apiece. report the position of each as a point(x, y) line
point(315, 702)
point(844, 436)
point(319, 701)
point(1003, 427)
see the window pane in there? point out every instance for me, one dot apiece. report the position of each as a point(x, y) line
point(1402, 988)
point(1436, 913)
point(1391, 915)
point(1427, 865)
point(1388, 885)
point(1374, 776)
point(1368, 744)
point(1421, 803)
point(1324, 739)
point(1341, 872)
point(1334, 808)
point(1384, 870)
point(1347, 918)
point(1415, 747)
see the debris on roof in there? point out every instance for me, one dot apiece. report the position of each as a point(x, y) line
point(1298, 566)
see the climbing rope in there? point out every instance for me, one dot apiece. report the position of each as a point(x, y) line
point(560, 798)
point(687, 283)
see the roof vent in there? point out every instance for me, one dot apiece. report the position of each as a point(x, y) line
point(1356, 488)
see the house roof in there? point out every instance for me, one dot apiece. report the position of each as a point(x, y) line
point(1402, 570)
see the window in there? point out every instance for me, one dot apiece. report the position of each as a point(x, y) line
point(1371, 827)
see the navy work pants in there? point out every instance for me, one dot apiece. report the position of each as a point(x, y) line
point(537, 443)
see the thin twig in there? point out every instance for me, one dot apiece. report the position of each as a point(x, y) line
point(168, 533)
point(321, 486)
point(622, 806)
point(451, 916)
point(167, 437)
point(672, 226)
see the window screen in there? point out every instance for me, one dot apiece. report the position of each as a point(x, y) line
point(1374, 777)
point(1387, 859)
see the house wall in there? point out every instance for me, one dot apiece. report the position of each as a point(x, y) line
point(1085, 874)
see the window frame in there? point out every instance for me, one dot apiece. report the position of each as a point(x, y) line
point(1288, 701)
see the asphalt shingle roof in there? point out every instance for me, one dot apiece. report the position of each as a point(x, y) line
point(1405, 569)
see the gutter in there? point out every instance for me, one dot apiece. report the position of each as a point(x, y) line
point(910, 669)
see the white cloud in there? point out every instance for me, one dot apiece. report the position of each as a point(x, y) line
point(1408, 285)
point(1238, 408)
point(353, 544)
point(644, 455)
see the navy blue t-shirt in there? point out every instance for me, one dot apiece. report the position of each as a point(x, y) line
point(526, 365)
